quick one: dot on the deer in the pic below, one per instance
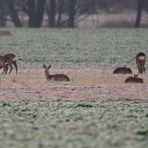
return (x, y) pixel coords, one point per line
(134, 79)
(55, 77)
(8, 60)
(140, 61)
(122, 70)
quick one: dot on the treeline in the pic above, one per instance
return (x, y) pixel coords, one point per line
(62, 13)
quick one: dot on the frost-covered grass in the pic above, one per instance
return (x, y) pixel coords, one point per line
(75, 47)
(73, 124)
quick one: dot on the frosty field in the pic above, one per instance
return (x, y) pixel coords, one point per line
(73, 124)
(96, 109)
(75, 48)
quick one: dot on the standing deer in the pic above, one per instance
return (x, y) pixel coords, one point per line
(140, 61)
(55, 77)
(8, 60)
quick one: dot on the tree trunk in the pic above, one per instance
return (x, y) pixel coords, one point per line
(13, 13)
(2, 21)
(71, 21)
(60, 11)
(40, 12)
(139, 12)
(51, 13)
(31, 12)
(35, 12)
(2, 15)
(146, 5)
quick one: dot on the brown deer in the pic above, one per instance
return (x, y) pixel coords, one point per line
(7, 61)
(122, 70)
(2, 63)
(55, 77)
(134, 79)
(140, 61)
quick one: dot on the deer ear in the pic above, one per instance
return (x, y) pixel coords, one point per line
(44, 66)
(49, 66)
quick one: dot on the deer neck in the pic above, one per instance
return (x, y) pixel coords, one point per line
(48, 76)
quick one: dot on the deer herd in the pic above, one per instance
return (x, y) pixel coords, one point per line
(9, 60)
(140, 61)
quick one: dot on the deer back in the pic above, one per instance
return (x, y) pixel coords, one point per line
(132, 79)
(10, 57)
(59, 77)
(122, 70)
(2, 61)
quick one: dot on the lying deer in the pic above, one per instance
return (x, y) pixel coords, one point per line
(8, 60)
(134, 79)
(122, 70)
(55, 77)
(140, 61)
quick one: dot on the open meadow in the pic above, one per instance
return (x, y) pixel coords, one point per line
(95, 109)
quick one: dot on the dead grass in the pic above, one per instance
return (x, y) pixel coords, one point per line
(85, 84)
(77, 76)
(121, 20)
(121, 23)
(21, 79)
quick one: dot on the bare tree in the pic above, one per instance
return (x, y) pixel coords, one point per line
(40, 12)
(13, 13)
(35, 11)
(139, 12)
(2, 14)
(71, 21)
(30, 10)
(51, 10)
(60, 11)
(146, 5)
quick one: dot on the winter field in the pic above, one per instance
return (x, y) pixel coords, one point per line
(95, 109)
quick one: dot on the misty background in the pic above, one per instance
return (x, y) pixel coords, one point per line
(73, 13)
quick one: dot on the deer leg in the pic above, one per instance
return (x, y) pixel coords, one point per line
(140, 67)
(143, 66)
(15, 65)
(5, 69)
(10, 68)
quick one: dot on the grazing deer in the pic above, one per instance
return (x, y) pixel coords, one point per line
(134, 79)
(8, 60)
(122, 70)
(140, 61)
(55, 77)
